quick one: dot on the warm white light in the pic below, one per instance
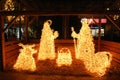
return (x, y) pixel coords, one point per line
(98, 63)
(10, 6)
(108, 9)
(115, 17)
(64, 57)
(95, 63)
(47, 47)
(25, 60)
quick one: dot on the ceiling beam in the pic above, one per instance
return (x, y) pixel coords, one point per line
(26, 4)
(51, 13)
(10, 24)
(112, 22)
(33, 19)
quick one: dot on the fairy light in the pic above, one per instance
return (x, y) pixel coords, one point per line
(25, 60)
(64, 57)
(47, 47)
(95, 63)
(10, 6)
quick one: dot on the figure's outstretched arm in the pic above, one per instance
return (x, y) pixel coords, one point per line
(74, 34)
(55, 34)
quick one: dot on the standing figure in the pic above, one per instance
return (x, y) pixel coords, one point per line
(95, 63)
(84, 44)
(47, 47)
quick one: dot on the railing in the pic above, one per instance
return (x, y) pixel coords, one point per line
(113, 48)
(12, 48)
(11, 51)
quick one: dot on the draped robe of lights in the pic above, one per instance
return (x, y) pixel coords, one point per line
(47, 47)
(95, 63)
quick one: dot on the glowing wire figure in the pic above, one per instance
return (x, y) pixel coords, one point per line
(96, 64)
(47, 47)
(84, 37)
(64, 57)
(25, 60)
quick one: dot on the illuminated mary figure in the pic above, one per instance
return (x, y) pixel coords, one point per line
(47, 47)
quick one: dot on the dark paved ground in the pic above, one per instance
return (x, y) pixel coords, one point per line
(28, 76)
(47, 70)
(63, 73)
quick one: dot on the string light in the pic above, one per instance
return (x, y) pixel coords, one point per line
(47, 47)
(95, 63)
(25, 60)
(10, 6)
(64, 57)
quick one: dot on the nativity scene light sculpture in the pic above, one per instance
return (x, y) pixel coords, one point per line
(95, 63)
(25, 60)
(47, 47)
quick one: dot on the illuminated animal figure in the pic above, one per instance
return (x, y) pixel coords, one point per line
(25, 60)
(47, 47)
(95, 63)
(98, 63)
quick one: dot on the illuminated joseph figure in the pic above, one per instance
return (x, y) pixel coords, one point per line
(95, 63)
(84, 37)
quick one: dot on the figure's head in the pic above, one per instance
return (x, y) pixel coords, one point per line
(85, 20)
(47, 23)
